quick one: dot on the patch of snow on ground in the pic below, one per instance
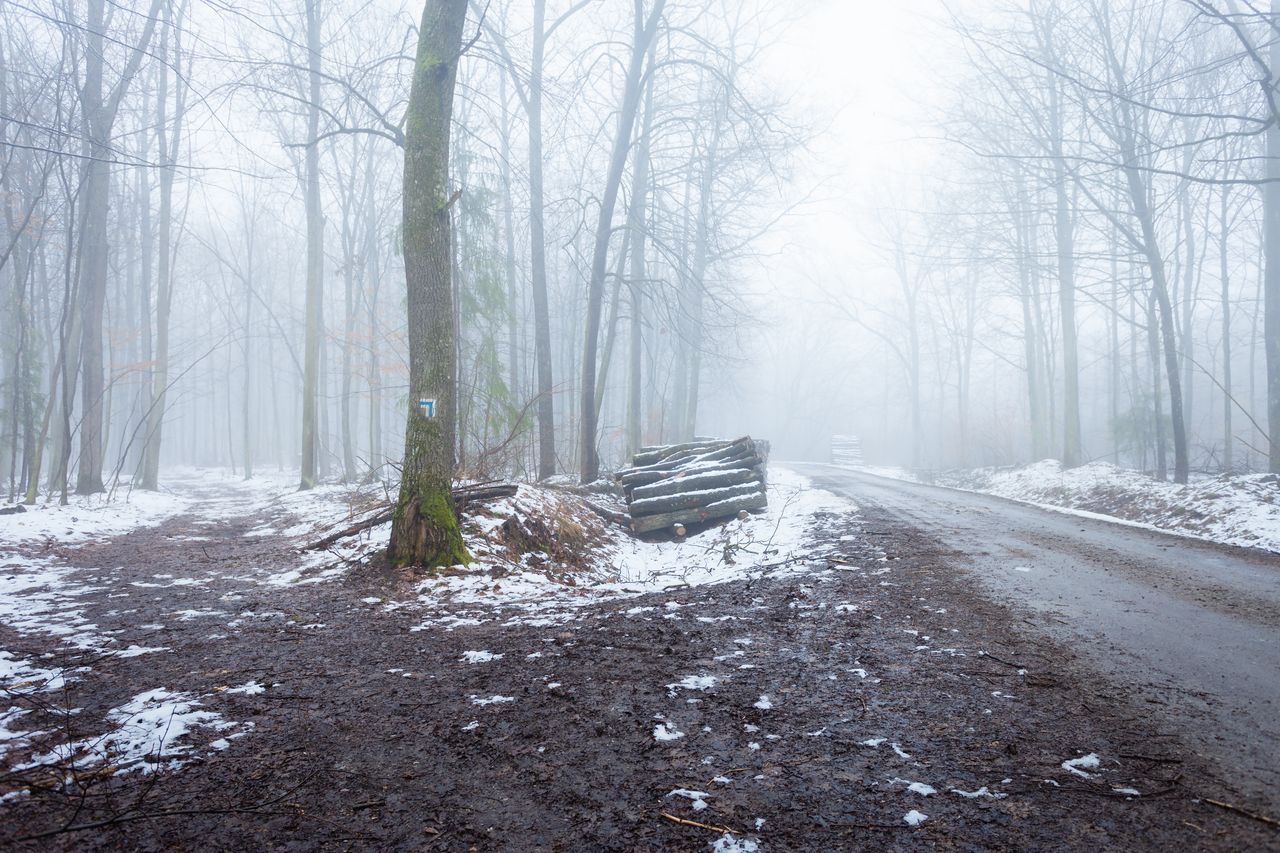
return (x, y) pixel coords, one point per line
(535, 590)
(145, 735)
(978, 794)
(666, 732)
(11, 738)
(479, 657)
(698, 799)
(1078, 766)
(250, 688)
(774, 538)
(729, 843)
(915, 787)
(914, 818)
(692, 682)
(91, 516)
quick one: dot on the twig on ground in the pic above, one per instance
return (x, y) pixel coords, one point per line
(694, 823)
(1269, 821)
(358, 527)
(1003, 661)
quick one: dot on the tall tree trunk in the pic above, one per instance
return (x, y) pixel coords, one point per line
(1164, 314)
(93, 253)
(538, 255)
(100, 106)
(168, 148)
(589, 462)
(638, 225)
(373, 281)
(1030, 330)
(1224, 281)
(315, 254)
(1113, 384)
(424, 531)
(1063, 228)
(611, 328)
(349, 253)
(1271, 216)
(509, 233)
(1157, 395)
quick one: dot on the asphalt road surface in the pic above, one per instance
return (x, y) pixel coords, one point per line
(1185, 627)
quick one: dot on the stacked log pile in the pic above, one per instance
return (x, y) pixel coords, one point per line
(846, 450)
(670, 486)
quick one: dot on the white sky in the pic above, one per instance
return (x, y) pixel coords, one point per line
(861, 73)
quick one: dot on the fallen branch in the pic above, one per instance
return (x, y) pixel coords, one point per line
(1270, 821)
(462, 495)
(684, 822)
(373, 521)
(1156, 758)
(1001, 660)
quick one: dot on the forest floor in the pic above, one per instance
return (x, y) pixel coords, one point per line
(199, 683)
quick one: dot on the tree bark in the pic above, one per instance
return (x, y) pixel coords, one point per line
(538, 255)
(100, 107)
(1064, 238)
(315, 253)
(1224, 280)
(168, 147)
(424, 531)
(1271, 307)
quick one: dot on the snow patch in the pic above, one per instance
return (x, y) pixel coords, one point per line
(698, 799)
(666, 732)
(480, 657)
(1078, 766)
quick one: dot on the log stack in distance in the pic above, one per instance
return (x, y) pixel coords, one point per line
(670, 486)
(846, 450)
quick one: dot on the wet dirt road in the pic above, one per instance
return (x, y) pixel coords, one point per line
(1190, 628)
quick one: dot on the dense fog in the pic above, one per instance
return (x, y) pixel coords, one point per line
(973, 234)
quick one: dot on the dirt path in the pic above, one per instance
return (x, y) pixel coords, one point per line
(808, 711)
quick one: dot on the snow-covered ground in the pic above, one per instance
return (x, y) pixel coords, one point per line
(209, 493)
(1233, 510)
(525, 589)
(88, 517)
(539, 557)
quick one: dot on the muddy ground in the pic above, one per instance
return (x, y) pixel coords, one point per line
(368, 735)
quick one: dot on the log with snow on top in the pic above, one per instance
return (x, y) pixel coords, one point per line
(668, 487)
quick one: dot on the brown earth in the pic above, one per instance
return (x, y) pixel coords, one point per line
(347, 754)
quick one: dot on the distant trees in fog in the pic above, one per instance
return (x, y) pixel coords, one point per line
(203, 259)
(1113, 207)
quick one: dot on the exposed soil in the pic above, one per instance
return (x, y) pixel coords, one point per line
(362, 738)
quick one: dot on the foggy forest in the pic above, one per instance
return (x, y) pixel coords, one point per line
(639, 424)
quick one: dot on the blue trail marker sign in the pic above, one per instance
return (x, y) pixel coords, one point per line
(428, 407)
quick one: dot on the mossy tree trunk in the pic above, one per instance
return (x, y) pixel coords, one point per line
(424, 531)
